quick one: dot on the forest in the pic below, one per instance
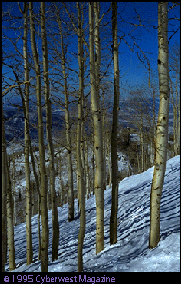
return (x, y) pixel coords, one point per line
(90, 96)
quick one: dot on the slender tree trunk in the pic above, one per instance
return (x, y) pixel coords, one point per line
(87, 181)
(30, 147)
(55, 226)
(109, 161)
(4, 187)
(80, 172)
(97, 73)
(138, 161)
(151, 152)
(67, 122)
(152, 155)
(33, 166)
(162, 126)
(39, 214)
(14, 192)
(44, 209)
(175, 117)
(98, 142)
(104, 145)
(178, 129)
(142, 144)
(93, 163)
(10, 224)
(59, 166)
(114, 206)
(29, 252)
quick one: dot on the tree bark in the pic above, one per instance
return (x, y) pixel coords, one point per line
(4, 186)
(44, 209)
(142, 144)
(29, 252)
(67, 122)
(87, 181)
(175, 117)
(108, 152)
(98, 142)
(178, 129)
(80, 172)
(114, 206)
(152, 142)
(55, 226)
(162, 126)
(33, 166)
(10, 224)
(14, 191)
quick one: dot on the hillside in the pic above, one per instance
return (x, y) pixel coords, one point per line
(131, 252)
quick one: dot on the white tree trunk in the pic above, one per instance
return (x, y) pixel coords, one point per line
(67, 123)
(44, 185)
(98, 142)
(87, 181)
(4, 186)
(162, 126)
(55, 226)
(14, 192)
(10, 224)
(80, 145)
(178, 129)
(29, 252)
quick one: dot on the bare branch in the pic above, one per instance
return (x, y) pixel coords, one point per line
(175, 4)
(105, 14)
(76, 30)
(69, 17)
(173, 33)
(13, 86)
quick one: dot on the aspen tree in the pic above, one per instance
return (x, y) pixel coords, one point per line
(178, 129)
(44, 209)
(33, 166)
(152, 154)
(59, 169)
(175, 117)
(162, 126)
(142, 143)
(55, 226)
(104, 140)
(4, 186)
(93, 163)
(87, 181)
(67, 122)
(97, 45)
(98, 139)
(114, 206)
(14, 191)
(97, 75)
(31, 149)
(10, 223)
(80, 173)
(29, 252)
(108, 153)
(7, 207)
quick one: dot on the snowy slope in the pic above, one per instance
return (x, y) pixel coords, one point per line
(131, 252)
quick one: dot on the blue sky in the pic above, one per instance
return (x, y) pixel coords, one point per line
(132, 71)
(146, 38)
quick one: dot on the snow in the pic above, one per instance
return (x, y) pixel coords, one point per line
(131, 253)
(123, 163)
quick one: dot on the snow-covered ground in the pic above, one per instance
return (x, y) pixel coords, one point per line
(131, 253)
